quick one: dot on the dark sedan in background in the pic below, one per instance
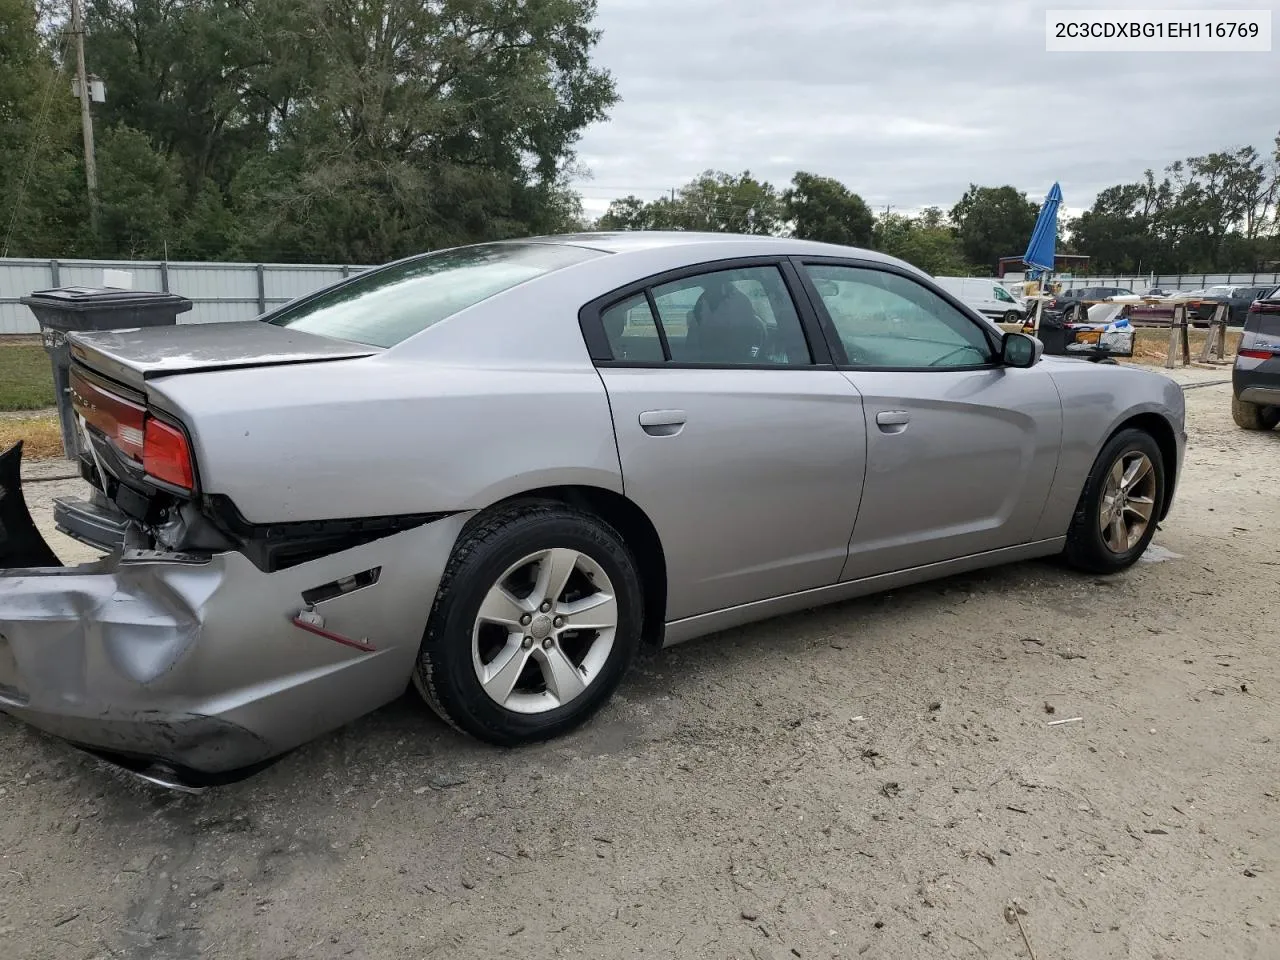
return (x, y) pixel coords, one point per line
(1255, 379)
(1237, 299)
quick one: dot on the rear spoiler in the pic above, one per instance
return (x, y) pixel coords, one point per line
(21, 544)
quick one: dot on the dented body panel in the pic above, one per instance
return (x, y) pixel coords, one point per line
(197, 662)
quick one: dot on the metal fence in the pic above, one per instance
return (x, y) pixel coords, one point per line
(1177, 281)
(218, 291)
(242, 291)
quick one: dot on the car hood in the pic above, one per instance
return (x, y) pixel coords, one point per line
(134, 356)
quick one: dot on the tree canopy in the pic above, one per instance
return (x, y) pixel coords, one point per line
(358, 131)
(338, 130)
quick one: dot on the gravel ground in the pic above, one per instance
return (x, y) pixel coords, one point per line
(874, 779)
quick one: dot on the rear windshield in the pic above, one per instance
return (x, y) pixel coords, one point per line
(1267, 324)
(392, 303)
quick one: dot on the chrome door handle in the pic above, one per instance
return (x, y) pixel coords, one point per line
(892, 421)
(662, 423)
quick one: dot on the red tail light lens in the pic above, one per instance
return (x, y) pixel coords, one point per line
(120, 420)
(166, 455)
(1256, 354)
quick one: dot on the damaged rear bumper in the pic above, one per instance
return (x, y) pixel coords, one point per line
(196, 661)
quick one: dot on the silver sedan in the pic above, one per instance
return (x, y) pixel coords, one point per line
(494, 472)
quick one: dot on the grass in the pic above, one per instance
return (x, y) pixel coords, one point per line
(41, 436)
(26, 382)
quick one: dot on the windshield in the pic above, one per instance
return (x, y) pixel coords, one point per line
(392, 303)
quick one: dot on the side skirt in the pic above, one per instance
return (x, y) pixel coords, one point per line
(688, 628)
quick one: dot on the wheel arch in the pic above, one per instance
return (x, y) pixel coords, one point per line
(1160, 430)
(637, 531)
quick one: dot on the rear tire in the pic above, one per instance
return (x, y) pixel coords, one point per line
(1254, 416)
(1108, 532)
(557, 676)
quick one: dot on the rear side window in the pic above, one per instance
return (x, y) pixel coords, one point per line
(1267, 324)
(392, 303)
(729, 318)
(631, 331)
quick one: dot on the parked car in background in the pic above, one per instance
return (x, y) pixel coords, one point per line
(1255, 378)
(1073, 305)
(493, 472)
(989, 297)
(1238, 299)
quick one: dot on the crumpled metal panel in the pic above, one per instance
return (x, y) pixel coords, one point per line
(199, 662)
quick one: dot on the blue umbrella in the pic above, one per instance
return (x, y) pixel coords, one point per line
(1039, 253)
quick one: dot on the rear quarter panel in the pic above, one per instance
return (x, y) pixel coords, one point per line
(383, 437)
(1097, 399)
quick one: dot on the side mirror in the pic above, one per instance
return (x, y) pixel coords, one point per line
(827, 288)
(1020, 350)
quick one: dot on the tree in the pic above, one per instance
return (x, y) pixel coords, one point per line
(138, 193)
(627, 213)
(427, 127)
(993, 222)
(715, 202)
(39, 137)
(824, 209)
(926, 241)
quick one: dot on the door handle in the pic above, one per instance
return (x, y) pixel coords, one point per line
(892, 421)
(662, 423)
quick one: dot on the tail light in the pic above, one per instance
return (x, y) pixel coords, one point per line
(166, 455)
(160, 449)
(1256, 354)
(121, 421)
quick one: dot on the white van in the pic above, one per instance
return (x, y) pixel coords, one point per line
(985, 295)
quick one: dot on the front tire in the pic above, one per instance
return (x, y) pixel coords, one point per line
(1012, 316)
(1254, 416)
(537, 618)
(1120, 505)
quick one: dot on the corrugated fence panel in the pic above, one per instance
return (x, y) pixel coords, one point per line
(1177, 281)
(17, 279)
(88, 273)
(219, 292)
(284, 282)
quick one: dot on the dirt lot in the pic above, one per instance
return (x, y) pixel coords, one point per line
(876, 779)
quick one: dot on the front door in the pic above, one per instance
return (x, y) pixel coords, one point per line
(746, 455)
(961, 451)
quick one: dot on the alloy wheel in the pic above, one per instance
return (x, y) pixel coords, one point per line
(544, 631)
(1128, 501)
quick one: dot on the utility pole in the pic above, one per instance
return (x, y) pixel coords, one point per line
(86, 119)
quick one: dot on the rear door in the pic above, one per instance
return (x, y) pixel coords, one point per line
(736, 434)
(961, 451)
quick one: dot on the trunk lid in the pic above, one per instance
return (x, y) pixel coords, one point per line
(132, 357)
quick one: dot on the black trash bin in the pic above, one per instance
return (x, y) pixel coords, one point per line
(77, 309)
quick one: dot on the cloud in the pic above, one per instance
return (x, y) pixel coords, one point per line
(906, 102)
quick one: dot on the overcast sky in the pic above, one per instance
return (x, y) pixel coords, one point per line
(906, 101)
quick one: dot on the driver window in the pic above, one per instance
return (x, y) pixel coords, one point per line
(887, 320)
(741, 317)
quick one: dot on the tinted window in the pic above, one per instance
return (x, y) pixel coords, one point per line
(390, 304)
(886, 320)
(1004, 295)
(631, 330)
(731, 318)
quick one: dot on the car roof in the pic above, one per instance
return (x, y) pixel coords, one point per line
(731, 244)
